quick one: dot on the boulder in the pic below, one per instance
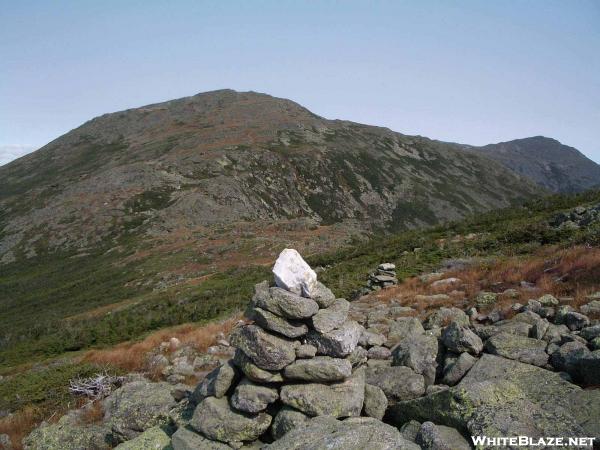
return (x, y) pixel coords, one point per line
(333, 317)
(273, 322)
(397, 382)
(589, 368)
(576, 321)
(252, 398)
(253, 372)
(402, 328)
(293, 274)
(566, 358)
(216, 420)
(216, 383)
(285, 304)
(267, 351)
(410, 429)
(306, 351)
(137, 406)
(379, 353)
(527, 350)
(186, 439)
(358, 357)
(444, 316)
(322, 295)
(507, 326)
(485, 298)
(375, 402)
(440, 437)
(66, 435)
(590, 333)
(152, 439)
(459, 339)
(319, 369)
(370, 338)
(548, 300)
(336, 343)
(457, 369)
(351, 434)
(341, 399)
(419, 353)
(286, 420)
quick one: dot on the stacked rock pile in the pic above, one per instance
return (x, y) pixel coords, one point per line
(298, 359)
(384, 276)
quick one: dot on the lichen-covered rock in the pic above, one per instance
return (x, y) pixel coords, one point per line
(402, 328)
(548, 300)
(328, 319)
(186, 439)
(567, 357)
(322, 295)
(319, 369)
(336, 343)
(152, 439)
(285, 304)
(459, 339)
(293, 274)
(137, 406)
(267, 351)
(357, 433)
(397, 382)
(286, 420)
(273, 322)
(341, 399)
(379, 353)
(253, 398)
(484, 298)
(370, 338)
(375, 402)
(456, 370)
(216, 383)
(511, 346)
(65, 435)
(440, 437)
(216, 420)
(253, 372)
(576, 321)
(419, 353)
(410, 430)
(306, 351)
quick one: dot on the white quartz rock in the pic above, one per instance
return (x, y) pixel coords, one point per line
(293, 274)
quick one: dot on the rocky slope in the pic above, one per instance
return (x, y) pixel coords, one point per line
(224, 157)
(316, 372)
(546, 161)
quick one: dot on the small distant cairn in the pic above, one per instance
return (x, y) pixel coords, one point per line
(299, 359)
(384, 276)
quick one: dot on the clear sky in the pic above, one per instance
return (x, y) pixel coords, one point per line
(473, 72)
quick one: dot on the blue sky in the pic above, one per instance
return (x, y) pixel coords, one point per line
(473, 72)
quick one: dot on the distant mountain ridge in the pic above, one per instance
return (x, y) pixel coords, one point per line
(546, 161)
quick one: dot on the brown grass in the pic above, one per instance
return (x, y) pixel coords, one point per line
(20, 424)
(131, 356)
(93, 413)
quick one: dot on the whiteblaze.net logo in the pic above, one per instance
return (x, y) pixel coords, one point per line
(526, 441)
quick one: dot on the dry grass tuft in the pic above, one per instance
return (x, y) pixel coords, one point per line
(131, 356)
(20, 424)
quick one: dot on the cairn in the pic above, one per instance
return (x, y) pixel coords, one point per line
(384, 276)
(298, 358)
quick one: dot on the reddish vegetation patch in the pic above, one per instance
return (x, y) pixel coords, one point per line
(572, 272)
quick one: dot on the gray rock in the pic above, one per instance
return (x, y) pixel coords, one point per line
(440, 437)
(5, 442)
(590, 333)
(589, 368)
(379, 353)
(484, 298)
(402, 328)
(460, 339)
(322, 295)
(319, 369)
(267, 351)
(181, 391)
(216, 383)
(285, 304)
(595, 343)
(507, 326)
(539, 329)
(186, 439)
(153, 438)
(375, 402)
(253, 372)
(458, 369)
(567, 357)
(270, 321)
(341, 399)
(554, 333)
(306, 351)
(66, 435)
(397, 382)
(137, 406)
(336, 343)
(216, 420)
(591, 309)
(410, 430)
(576, 321)
(358, 433)
(419, 353)
(370, 338)
(333, 317)
(548, 300)
(286, 420)
(358, 357)
(443, 316)
(252, 398)
(527, 350)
